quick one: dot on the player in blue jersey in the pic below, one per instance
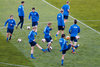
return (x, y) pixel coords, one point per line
(73, 31)
(61, 24)
(47, 35)
(34, 16)
(66, 9)
(11, 23)
(32, 42)
(21, 15)
(64, 47)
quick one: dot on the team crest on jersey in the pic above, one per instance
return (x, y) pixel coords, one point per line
(59, 16)
(75, 27)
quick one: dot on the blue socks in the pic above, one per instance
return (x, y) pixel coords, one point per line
(62, 62)
(76, 46)
(56, 35)
(32, 56)
(73, 49)
(7, 39)
(43, 50)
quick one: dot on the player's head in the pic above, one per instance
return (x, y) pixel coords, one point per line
(67, 2)
(61, 11)
(11, 16)
(75, 21)
(63, 36)
(33, 9)
(34, 28)
(22, 2)
(49, 24)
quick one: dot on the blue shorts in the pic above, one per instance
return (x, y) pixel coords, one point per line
(73, 39)
(34, 24)
(10, 30)
(61, 27)
(48, 39)
(33, 43)
(64, 51)
(65, 17)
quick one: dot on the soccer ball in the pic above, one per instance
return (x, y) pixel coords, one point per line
(77, 37)
(19, 40)
(43, 40)
(50, 47)
(67, 37)
(51, 41)
(28, 27)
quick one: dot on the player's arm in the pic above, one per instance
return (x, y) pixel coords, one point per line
(79, 30)
(22, 10)
(70, 30)
(63, 44)
(68, 9)
(62, 7)
(29, 16)
(5, 23)
(29, 36)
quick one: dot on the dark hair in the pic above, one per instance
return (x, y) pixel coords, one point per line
(61, 11)
(49, 23)
(67, 2)
(63, 35)
(22, 2)
(75, 21)
(11, 16)
(33, 8)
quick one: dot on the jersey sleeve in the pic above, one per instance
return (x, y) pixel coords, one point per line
(29, 36)
(78, 29)
(29, 16)
(63, 44)
(6, 23)
(70, 30)
(63, 7)
(38, 16)
(14, 23)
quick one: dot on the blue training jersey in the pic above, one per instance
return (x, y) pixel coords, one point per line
(21, 10)
(66, 7)
(47, 32)
(34, 16)
(60, 19)
(63, 44)
(11, 23)
(31, 36)
(74, 30)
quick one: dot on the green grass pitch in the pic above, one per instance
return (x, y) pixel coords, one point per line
(14, 53)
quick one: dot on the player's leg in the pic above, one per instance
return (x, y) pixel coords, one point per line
(65, 19)
(74, 45)
(7, 36)
(62, 59)
(19, 22)
(59, 30)
(11, 32)
(63, 28)
(22, 21)
(8, 32)
(32, 49)
(57, 33)
(40, 47)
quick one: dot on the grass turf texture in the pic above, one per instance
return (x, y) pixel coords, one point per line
(83, 10)
(87, 55)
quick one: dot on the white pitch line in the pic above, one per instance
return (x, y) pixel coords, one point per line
(72, 17)
(13, 64)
